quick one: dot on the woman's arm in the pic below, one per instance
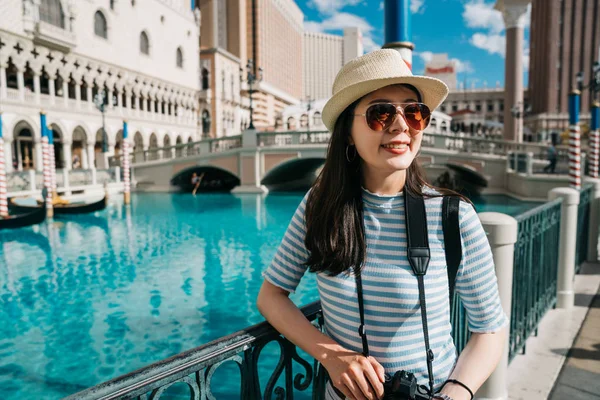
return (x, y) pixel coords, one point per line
(353, 374)
(476, 363)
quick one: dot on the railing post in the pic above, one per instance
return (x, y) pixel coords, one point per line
(594, 232)
(94, 176)
(565, 296)
(529, 163)
(66, 183)
(249, 138)
(32, 184)
(501, 230)
(117, 175)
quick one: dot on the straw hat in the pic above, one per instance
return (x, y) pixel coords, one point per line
(373, 71)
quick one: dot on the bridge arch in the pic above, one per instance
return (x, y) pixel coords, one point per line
(293, 174)
(214, 179)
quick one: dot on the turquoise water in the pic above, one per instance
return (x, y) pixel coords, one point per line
(88, 298)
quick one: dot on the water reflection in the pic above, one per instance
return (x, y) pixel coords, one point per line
(90, 297)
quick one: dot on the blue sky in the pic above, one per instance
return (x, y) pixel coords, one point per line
(470, 31)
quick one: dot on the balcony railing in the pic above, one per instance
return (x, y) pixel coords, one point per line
(193, 370)
(583, 225)
(535, 271)
(54, 35)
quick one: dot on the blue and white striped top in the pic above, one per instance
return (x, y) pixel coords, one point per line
(391, 295)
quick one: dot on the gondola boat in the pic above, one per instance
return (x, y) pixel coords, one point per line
(60, 209)
(31, 216)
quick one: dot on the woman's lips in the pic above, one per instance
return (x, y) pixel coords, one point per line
(396, 149)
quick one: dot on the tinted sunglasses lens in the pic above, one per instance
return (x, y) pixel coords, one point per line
(380, 116)
(417, 116)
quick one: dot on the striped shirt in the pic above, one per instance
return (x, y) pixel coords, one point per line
(390, 289)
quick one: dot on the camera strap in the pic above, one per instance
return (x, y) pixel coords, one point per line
(418, 258)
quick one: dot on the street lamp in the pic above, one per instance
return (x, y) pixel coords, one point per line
(251, 78)
(518, 111)
(100, 102)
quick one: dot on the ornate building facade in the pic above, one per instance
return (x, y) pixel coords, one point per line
(60, 55)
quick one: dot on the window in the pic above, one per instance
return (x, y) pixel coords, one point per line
(51, 11)
(205, 82)
(501, 106)
(478, 106)
(100, 28)
(144, 43)
(317, 118)
(112, 5)
(490, 107)
(454, 107)
(179, 58)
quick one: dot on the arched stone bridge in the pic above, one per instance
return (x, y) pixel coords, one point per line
(255, 162)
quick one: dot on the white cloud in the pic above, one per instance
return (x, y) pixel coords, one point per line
(463, 66)
(426, 56)
(478, 14)
(331, 6)
(416, 6)
(369, 44)
(491, 42)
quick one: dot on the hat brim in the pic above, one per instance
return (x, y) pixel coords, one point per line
(433, 92)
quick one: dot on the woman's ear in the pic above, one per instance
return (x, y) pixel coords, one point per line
(350, 141)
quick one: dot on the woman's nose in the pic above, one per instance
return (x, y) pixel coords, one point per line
(399, 124)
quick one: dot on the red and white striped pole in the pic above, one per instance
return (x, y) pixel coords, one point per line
(574, 141)
(125, 165)
(594, 145)
(46, 167)
(3, 190)
(52, 161)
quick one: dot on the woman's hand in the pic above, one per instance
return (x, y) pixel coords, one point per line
(356, 376)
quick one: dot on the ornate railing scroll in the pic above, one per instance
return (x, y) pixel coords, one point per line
(196, 368)
(535, 271)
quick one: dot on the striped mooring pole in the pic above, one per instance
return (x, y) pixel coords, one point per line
(3, 189)
(594, 150)
(574, 141)
(125, 164)
(46, 166)
(50, 133)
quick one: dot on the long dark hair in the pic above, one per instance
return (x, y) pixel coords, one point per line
(335, 234)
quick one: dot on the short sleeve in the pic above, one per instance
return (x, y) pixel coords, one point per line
(476, 281)
(288, 265)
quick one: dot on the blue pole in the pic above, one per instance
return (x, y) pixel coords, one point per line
(574, 98)
(397, 29)
(595, 111)
(594, 144)
(1, 125)
(43, 124)
(125, 130)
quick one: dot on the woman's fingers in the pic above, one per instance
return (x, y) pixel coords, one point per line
(373, 380)
(379, 370)
(351, 384)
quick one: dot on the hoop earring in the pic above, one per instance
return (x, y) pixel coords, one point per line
(348, 155)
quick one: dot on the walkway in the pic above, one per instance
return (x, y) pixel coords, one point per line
(566, 338)
(580, 376)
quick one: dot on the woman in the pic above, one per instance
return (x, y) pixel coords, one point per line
(354, 216)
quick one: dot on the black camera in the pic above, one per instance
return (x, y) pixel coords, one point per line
(403, 386)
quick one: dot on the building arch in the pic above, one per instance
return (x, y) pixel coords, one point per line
(179, 57)
(100, 25)
(24, 143)
(144, 43)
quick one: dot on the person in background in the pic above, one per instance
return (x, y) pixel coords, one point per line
(552, 158)
(196, 180)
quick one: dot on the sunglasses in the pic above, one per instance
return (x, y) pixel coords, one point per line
(380, 116)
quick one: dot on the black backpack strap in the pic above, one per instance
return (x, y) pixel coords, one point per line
(418, 257)
(452, 241)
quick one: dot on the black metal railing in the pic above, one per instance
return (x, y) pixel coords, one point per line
(535, 271)
(191, 372)
(583, 226)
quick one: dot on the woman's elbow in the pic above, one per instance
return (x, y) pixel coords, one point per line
(267, 295)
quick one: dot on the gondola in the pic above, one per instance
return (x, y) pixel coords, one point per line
(60, 209)
(31, 216)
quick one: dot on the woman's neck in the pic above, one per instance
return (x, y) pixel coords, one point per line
(384, 183)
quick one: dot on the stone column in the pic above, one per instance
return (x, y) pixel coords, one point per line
(110, 99)
(84, 157)
(128, 98)
(514, 12)
(39, 161)
(91, 157)
(65, 89)
(565, 295)
(52, 88)
(36, 86)
(8, 146)
(90, 100)
(502, 234)
(21, 83)
(67, 156)
(78, 93)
